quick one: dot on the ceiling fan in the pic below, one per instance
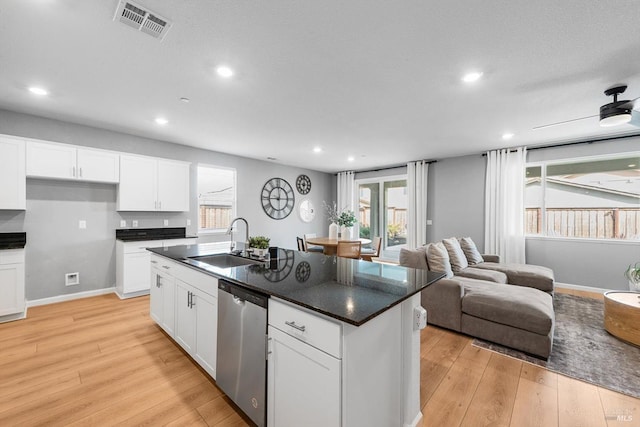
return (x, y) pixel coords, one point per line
(612, 114)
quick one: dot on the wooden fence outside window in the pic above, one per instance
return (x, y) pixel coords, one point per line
(592, 223)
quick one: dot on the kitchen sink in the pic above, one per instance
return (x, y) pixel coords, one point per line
(224, 260)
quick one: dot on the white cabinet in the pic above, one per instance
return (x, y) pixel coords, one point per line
(12, 173)
(303, 384)
(196, 324)
(163, 293)
(151, 184)
(194, 319)
(62, 161)
(132, 264)
(12, 281)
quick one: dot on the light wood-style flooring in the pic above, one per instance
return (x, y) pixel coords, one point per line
(102, 361)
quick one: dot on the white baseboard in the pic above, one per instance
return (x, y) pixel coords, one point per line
(132, 294)
(70, 297)
(583, 288)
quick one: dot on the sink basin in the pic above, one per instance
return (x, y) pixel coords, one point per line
(224, 260)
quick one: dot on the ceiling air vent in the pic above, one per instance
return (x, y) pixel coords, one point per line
(142, 19)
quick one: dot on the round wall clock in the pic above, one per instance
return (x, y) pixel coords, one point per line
(277, 198)
(306, 210)
(303, 184)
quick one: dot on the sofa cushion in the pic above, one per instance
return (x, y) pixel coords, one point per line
(470, 251)
(524, 308)
(483, 274)
(457, 258)
(438, 259)
(414, 258)
(532, 276)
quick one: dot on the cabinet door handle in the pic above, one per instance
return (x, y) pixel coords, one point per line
(160, 204)
(301, 328)
(188, 299)
(80, 172)
(166, 267)
(73, 171)
(192, 300)
(154, 262)
(158, 283)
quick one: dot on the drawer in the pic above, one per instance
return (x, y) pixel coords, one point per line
(322, 333)
(162, 263)
(12, 256)
(141, 246)
(178, 242)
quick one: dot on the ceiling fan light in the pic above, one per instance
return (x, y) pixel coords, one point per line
(613, 114)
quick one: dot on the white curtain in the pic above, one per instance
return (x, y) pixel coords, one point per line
(504, 204)
(417, 178)
(346, 195)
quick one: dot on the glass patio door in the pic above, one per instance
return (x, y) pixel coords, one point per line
(382, 211)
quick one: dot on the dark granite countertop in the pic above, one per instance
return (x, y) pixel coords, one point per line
(140, 234)
(352, 291)
(16, 240)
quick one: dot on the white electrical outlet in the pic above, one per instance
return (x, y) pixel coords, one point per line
(82, 224)
(188, 222)
(419, 318)
(429, 222)
(72, 279)
(134, 223)
(123, 223)
(166, 222)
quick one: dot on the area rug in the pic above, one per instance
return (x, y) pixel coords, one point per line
(582, 349)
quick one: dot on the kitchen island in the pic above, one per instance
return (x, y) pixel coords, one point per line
(356, 359)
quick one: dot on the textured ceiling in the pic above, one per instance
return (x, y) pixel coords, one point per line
(377, 80)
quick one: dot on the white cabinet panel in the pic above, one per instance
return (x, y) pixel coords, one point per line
(173, 186)
(185, 317)
(206, 331)
(47, 160)
(138, 178)
(12, 282)
(12, 173)
(162, 305)
(303, 384)
(98, 166)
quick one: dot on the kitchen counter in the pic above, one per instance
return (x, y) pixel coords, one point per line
(143, 234)
(13, 240)
(352, 291)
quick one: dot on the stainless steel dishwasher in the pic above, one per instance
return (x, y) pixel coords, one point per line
(241, 366)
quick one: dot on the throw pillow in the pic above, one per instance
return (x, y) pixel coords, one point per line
(457, 258)
(414, 258)
(438, 259)
(471, 251)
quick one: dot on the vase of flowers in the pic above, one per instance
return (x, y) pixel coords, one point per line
(633, 274)
(332, 216)
(341, 221)
(346, 220)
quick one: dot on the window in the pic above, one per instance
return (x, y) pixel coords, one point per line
(593, 198)
(216, 198)
(383, 206)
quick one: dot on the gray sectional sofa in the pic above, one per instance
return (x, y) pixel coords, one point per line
(509, 304)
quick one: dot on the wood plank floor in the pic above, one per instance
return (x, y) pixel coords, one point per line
(102, 361)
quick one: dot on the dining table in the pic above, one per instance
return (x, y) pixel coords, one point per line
(330, 246)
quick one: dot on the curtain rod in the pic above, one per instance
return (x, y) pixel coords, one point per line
(394, 167)
(588, 141)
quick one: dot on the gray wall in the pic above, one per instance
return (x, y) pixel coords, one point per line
(57, 246)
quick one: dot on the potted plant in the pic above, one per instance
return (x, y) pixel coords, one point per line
(633, 274)
(346, 220)
(260, 243)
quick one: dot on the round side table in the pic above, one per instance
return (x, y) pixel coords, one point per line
(622, 315)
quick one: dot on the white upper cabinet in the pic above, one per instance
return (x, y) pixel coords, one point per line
(151, 184)
(12, 173)
(61, 161)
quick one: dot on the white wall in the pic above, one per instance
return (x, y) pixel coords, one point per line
(56, 246)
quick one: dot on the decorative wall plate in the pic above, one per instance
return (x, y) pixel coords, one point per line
(306, 210)
(277, 198)
(303, 184)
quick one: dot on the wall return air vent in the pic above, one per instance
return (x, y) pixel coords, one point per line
(142, 19)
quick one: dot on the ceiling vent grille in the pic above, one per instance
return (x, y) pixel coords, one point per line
(136, 16)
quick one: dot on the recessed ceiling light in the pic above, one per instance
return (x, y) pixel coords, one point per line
(471, 77)
(38, 91)
(224, 71)
(161, 121)
(271, 158)
(632, 165)
(317, 149)
(507, 135)
(351, 158)
(185, 100)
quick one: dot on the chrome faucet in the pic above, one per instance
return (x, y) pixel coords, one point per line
(246, 233)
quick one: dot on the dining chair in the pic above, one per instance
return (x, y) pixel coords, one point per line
(374, 251)
(311, 248)
(349, 249)
(300, 244)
